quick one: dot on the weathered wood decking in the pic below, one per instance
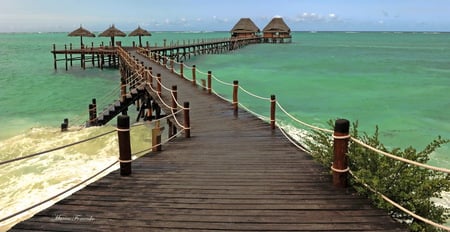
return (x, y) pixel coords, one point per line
(233, 174)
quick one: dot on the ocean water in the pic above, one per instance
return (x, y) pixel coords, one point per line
(398, 81)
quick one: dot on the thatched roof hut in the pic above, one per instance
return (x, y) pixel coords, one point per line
(245, 28)
(277, 29)
(140, 32)
(277, 24)
(81, 32)
(112, 32)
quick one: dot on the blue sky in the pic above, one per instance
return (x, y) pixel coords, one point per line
(212, 15)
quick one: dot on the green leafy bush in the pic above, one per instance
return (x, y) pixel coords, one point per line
(412, 187)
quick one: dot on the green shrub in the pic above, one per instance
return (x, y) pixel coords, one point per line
(412, 187)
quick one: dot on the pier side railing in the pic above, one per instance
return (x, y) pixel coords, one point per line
(340, 135)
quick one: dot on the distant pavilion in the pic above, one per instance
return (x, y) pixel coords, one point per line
(277, 31)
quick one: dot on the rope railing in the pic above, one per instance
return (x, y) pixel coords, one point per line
(311, 126)
(437, 225)
(56, 148)
(316, 128)
(59, 194)
(78, 185)
(438, 169)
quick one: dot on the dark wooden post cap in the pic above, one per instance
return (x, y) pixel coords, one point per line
(342, 126)
(123, 122)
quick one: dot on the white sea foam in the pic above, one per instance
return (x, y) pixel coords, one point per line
(47, 175)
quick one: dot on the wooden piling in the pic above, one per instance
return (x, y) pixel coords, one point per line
(91, 115)
(94, 111)
(209, 82)
(194, 81)
(187, 123)
(340, 163)
(65, 55)
(123, 133)
(235, 96)
(272, 111)
(54, 57)
(65, 125)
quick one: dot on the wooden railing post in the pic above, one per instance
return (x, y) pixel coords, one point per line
(187, 123)
(181, 69)
(209, 82)
(158, 84)
(340, 163)
(194, 81)
(171, 65)
(174, 98)
(272, 111)
(235, 96)
(123, 133)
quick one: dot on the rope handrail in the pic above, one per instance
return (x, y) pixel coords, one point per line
(57, 148)
(59, 194)
(301, 122)
(321, 129)
(220, 81)
(178, 123)
(220, 96)
(254, 95)
(401, 207)
(415, 163)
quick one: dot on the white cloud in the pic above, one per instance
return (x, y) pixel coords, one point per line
(314, 17)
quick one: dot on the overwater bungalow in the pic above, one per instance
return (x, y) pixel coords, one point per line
(245, 28)
(277, 31)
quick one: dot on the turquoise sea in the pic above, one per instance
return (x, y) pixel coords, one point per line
(398, 81)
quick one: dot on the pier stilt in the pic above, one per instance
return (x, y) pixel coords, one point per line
(65, 125)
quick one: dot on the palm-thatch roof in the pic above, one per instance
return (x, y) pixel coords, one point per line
(245, 25)
(140, 32)
(277, 24)
(112, 32)
(81, 32)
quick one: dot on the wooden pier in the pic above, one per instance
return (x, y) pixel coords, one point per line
(233, 172)
(106, 56)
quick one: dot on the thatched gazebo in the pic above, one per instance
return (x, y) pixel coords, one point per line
(112, 32)
(245, 28)
(81, 32)
(277, 31)
(140, 32)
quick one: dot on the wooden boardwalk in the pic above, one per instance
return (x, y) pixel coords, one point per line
(233, 174)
